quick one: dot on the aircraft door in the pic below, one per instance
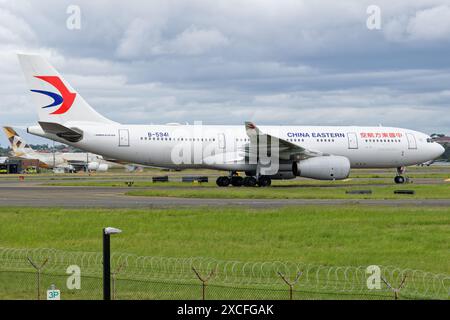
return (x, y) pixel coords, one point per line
(411, 141)
(221, 140)
(352, 140)
(124, 138)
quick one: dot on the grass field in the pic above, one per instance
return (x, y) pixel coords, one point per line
(212, 183)
(438, 191)
(406, 237)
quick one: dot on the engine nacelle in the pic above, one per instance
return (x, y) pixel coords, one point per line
(102, 167)
(93, 166)
(322, 168)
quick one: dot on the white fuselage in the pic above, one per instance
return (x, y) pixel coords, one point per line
(221, 147)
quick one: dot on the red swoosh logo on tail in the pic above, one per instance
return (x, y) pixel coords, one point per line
(68, 97)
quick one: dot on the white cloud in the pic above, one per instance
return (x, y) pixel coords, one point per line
(197, 41)
(14, 30)
(430, 24)
(141, 38)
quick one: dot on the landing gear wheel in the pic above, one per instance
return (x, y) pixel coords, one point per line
(223, 181)
(264, 181)
(249, 181)
(237, 181)
(399, 179)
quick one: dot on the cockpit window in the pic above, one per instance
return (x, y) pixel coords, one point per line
(430, 140)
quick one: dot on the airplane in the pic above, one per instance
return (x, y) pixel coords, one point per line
(263, 153)
(72, 161)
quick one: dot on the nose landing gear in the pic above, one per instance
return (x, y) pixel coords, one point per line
(399, 179)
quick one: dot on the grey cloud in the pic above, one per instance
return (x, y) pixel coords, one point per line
(290, 62)
(141, 39)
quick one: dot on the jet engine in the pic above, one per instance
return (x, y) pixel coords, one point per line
(284, 171)
(95, 166)
(322, 168)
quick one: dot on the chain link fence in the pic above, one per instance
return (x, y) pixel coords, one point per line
(28, 273)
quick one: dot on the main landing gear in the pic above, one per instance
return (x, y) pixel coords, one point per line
(238, 181)
(399, 179)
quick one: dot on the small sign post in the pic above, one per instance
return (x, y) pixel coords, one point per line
(53, 293)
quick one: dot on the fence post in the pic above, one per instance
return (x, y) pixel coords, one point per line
(38, 269)
(395, 290)
(113, 280)
(290, 283)
(203, 280)
(107, 232)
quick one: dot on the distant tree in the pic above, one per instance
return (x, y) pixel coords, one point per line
(433, 135)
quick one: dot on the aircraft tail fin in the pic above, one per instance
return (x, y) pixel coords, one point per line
(18, 144)
(55, 99)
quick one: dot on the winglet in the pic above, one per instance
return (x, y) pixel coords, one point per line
(251, 129)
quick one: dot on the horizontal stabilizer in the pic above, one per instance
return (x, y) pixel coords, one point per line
(69, 134)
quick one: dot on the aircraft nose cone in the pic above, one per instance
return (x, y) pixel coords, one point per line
(439, 149)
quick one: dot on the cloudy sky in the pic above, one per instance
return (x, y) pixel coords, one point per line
(224, 62)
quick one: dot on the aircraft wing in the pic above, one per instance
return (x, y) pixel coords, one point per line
(116, 161)
(286, 149)
(76, 162)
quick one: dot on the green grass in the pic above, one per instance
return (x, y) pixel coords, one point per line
(438, 191)
(174, 183)
(410, 175)
(406, 237)
(122, 184)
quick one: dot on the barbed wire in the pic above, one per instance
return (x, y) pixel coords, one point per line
(345, 279)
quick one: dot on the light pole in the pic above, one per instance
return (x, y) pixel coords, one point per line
(54, 159)
(107, 261)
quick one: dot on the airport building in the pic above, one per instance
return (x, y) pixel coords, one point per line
(18, 166)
